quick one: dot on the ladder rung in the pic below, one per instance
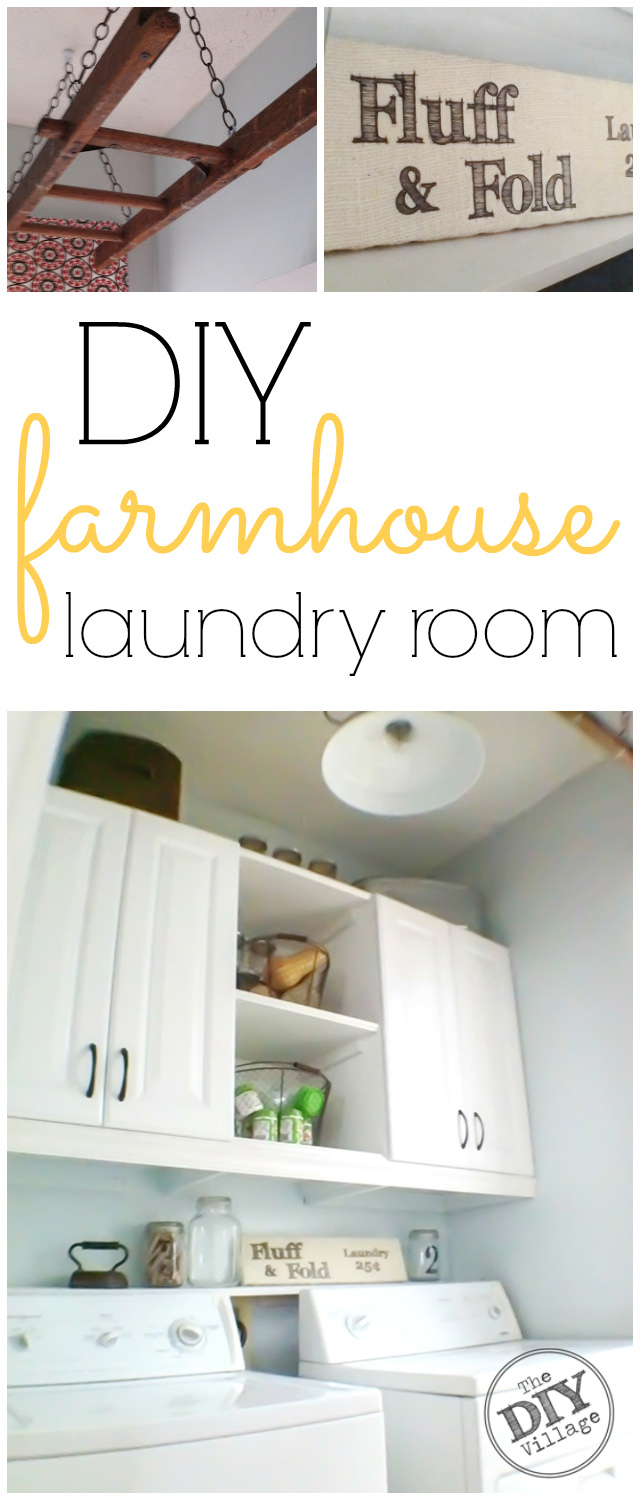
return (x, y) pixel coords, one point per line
(107, 195)
(129, 140)
(67, 231)
(138, 42)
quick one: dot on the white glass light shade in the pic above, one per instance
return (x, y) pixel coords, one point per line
(401, 764)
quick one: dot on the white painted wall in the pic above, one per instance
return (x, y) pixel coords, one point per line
(134, 172)
(265, 223)
(203, 812)
(200, 812)
(557, 888)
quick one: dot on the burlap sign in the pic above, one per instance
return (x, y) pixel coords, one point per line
(424, 146)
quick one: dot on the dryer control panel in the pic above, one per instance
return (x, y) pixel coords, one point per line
(341, 1325)
(58, 1337)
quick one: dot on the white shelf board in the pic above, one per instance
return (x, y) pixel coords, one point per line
(271, 1030)
(263, 1291)
(283, 1290)
(257, 1159)
(522, 260)
(276, 897)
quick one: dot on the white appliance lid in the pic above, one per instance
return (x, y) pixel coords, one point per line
(49, 1421)
(469, 1372)
(345, 1325)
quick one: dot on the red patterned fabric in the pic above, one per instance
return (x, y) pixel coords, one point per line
(38, 264)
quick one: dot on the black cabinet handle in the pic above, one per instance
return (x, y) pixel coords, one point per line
(478, 1121)
(125, 1073)
(462, 1117)
(94, 1063)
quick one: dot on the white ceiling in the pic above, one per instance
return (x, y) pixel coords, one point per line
(37, 37)
(268, 765)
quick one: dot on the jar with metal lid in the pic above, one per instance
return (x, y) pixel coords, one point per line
(215, 1240)
(165, 1254)
(250, 841)
(324, 867)
(288, 856)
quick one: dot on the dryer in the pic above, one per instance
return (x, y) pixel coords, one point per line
(433, 1351)
(146, 1391)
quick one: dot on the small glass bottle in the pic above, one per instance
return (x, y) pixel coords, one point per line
(214, 1244)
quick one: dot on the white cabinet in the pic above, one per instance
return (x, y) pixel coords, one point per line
(122, 1009)
(455, 1081)
(420, 1038)
(171, 1035)
(123, 985)
(493, 1086)
(61, 975)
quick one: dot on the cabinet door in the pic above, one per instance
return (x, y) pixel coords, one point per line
(171, 1039)
(421, 1051)
(62, 971)
(493, 1076)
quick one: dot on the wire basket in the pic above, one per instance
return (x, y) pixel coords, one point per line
(280, 1102)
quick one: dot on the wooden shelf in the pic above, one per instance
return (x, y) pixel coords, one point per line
(276, 897)
(270, 1030)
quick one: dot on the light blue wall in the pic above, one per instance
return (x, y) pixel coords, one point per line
(557, 887)
(54, 1203)
(265, 223)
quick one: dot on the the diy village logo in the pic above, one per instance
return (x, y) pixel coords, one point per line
(549, 1412)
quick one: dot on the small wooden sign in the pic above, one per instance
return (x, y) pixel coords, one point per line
(273, 1260)
(429, 146)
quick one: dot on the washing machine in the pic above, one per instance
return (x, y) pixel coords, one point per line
(146, 1391)
(437, 1352)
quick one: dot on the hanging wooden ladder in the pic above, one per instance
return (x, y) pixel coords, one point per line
(137, 45)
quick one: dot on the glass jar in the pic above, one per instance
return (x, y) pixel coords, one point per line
(423, 1255)
(288, 856)
(165, 1254)
(214, 1244)
(252, 970)
(324, 867)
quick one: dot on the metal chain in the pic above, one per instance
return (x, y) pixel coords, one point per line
(70, 84)
(216, 85)
(90, 57)
(88, 61)
(115, 185)
(63, 88)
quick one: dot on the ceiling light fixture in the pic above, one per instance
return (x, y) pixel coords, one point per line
(397, 765)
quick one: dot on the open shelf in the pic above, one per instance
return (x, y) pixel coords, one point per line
(175, 1157)
(276, 897)
(282, 1290)
(270, 1030)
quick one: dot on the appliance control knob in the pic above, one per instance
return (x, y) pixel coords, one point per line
(358, 1324)
(186, 1335)
(495, 1312)
(105, 1340)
